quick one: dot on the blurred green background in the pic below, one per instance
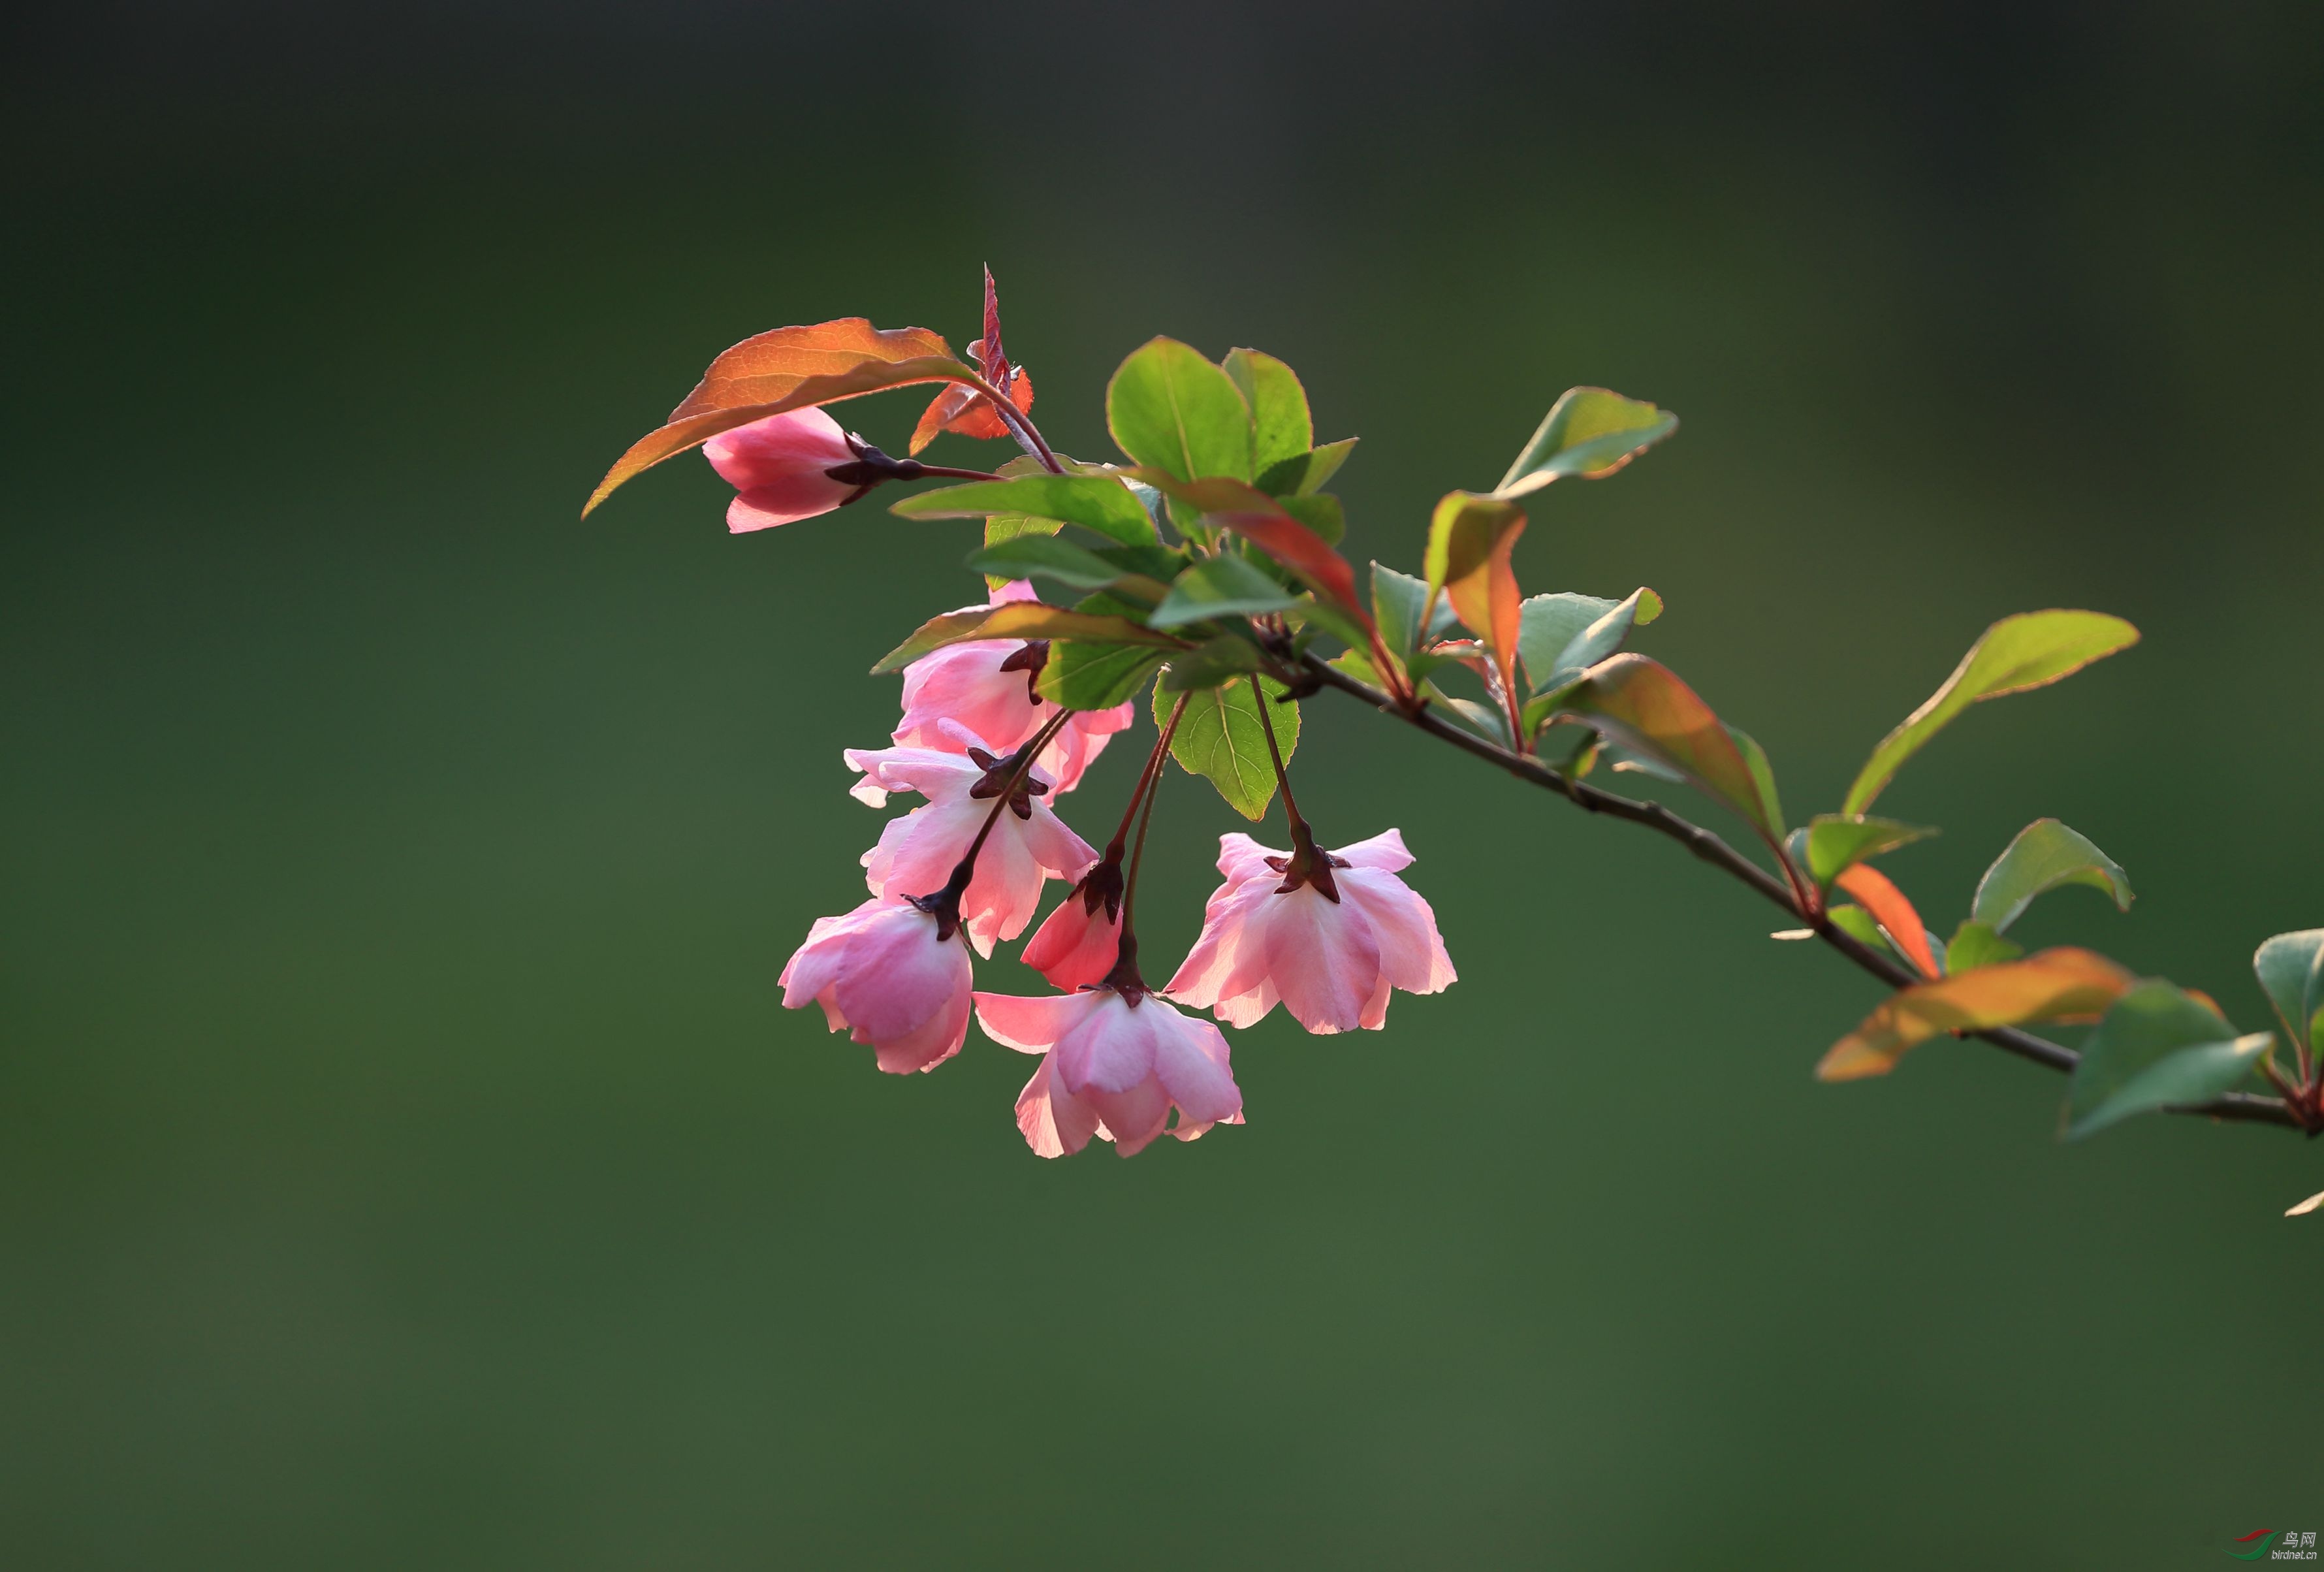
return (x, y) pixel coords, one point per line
(404, 1159)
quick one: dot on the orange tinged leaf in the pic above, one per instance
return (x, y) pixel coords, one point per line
(1470, 540)
(1642, 706)
(789, 368)
(2052, 984)
(1878, 894)
(965, 411)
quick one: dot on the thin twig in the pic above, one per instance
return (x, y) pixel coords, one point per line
(2240, 1107)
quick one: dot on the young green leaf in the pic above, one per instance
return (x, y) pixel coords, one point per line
(1858, 925)
(1834, 842)
(1260, 519)
(1210, 663)
(2044, 855)
(1220, 587)
(1220, 738)
(1763, 779)
(1342, 626)
(1003, 528)
(1095, 501)
(1645, 710)
(1172, 411)
(1280, 426)
(1081, 675)
(1020, 619)
(1589, 433)
(2051, 985)
(2158, 1047)
(2030, 649)
(2290, 971)
(1046, 557)
(1321, 513)
(1398, 603)
(1974, 944)
(789, 368)
(1305, 474)
(1560, 635)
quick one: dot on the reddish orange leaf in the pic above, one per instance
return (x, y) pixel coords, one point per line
(789, 368)
(2053, 985)
(1878, 894)
(965, 411)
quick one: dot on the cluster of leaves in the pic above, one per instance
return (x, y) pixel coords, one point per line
(1209, 567)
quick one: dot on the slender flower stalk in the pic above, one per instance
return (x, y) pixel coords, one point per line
(945, 904)
(1125, 974)
(1307, 863)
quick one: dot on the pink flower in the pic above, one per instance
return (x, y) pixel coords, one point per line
(881, 973)
(1112, 1068)
(987, 686)
(779, 469)
(1029, 845)
(1078, 944)
(1331, 963)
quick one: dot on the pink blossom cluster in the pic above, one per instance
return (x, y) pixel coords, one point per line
(1327, 935)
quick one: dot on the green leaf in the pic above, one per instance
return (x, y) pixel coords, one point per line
(1280, 426)
(1227, 585)
(2290, 971)
(1832, 842)
(2046, 856)
(1095, 501)
(1763, 779)
(1211, 663)
(2157, 1048)
(1046, 557)
(1645, 709)
(1589, 433)
(1302, 474)
(1562, 633)
(1858, 925)
(2015, 655)
(1399, 602)
(1220, 738)
(1321, 514)
(1080, 676)
(1357, 664)
(1323, 615)
(1001, 528)
(1021, 619)
(1975, 945)
(1173, 411)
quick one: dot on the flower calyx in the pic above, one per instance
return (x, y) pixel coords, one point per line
(1007, 774)
(1308, 863)
(1030, 658)
(871, 467)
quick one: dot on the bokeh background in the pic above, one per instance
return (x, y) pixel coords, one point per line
(404, 1159)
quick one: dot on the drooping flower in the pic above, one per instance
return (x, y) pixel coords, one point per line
(781, 468)
(986, 685)
(884, 974)
(1113, 1066)
(1029, 844)
(1077, 945)
(1330, 962)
